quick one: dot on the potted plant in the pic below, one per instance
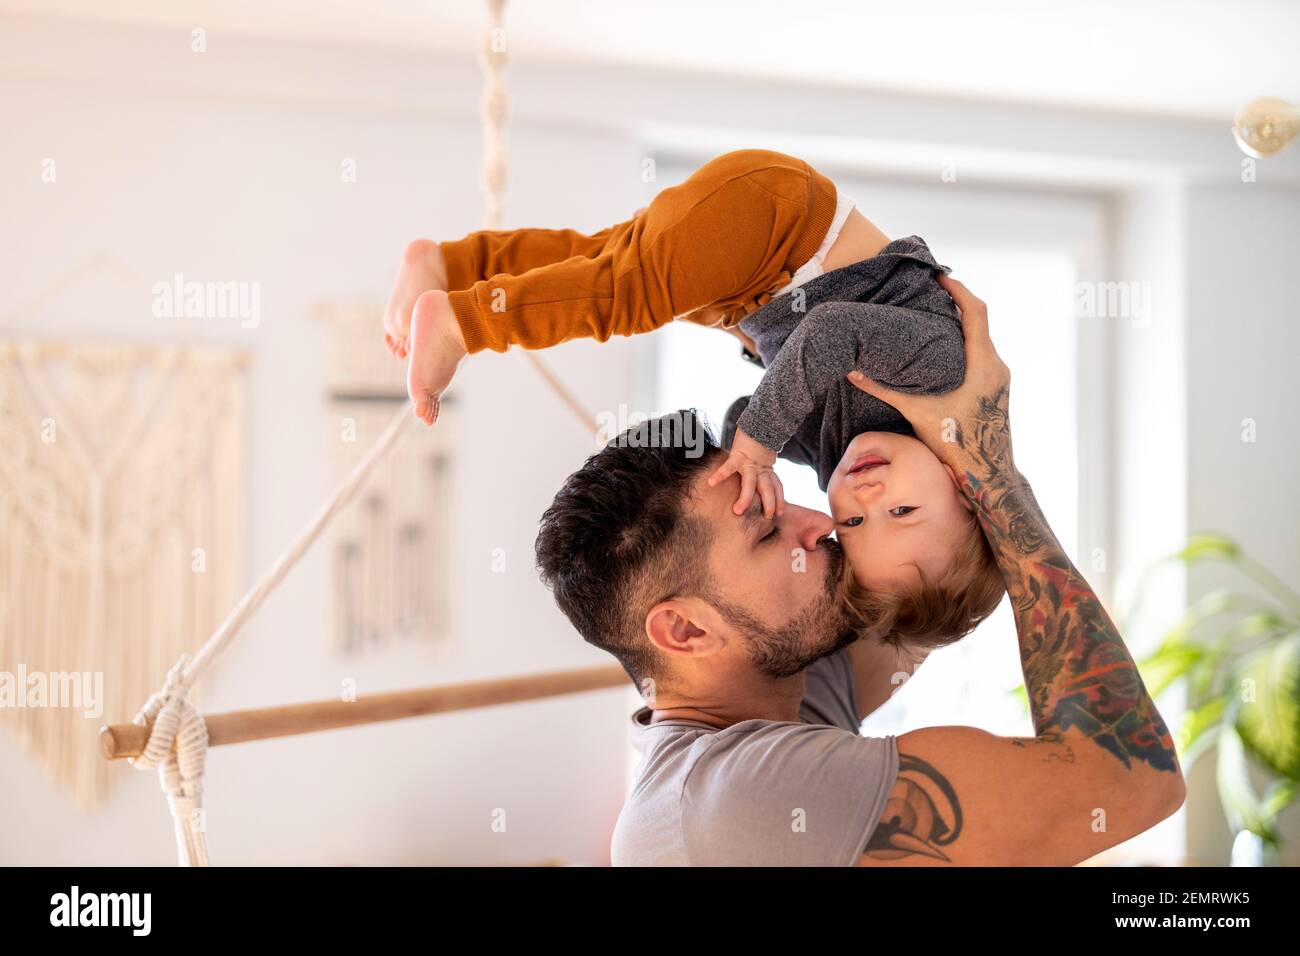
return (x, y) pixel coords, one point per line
(1238, 654)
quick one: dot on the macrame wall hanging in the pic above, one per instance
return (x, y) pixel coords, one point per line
(121, 511)
(389, 547)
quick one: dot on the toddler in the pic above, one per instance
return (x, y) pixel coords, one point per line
(764, 246)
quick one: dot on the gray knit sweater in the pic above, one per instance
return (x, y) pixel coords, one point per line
(887, 316)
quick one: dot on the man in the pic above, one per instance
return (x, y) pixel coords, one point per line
(755, 689)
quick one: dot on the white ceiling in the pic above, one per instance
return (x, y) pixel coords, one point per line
(1193, 57)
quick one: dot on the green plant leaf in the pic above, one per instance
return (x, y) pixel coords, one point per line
(1278, 797)
(1267, 715)
(1240, 803)
(1270, 582)
(1208, 545)
(1188, 553)
(1169, 662)
(1208, 607)
(1264, 623)
(1217, 602)
(1194, 737)
(1200, 679)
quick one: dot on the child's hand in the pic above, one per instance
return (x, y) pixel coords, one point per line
(753, 462)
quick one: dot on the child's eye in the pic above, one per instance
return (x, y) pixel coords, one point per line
(901, 510)
(853, 522)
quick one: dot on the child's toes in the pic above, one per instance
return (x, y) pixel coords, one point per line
(426, 408)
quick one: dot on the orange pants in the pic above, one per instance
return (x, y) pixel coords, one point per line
(711, 250)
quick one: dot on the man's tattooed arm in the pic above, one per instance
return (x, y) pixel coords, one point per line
(1078, 673)
(1100, 750)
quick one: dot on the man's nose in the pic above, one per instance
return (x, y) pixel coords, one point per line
(810, 526)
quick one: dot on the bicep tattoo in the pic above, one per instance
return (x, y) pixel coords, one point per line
(922, 814)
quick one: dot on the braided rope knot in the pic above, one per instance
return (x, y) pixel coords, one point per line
(178, 747)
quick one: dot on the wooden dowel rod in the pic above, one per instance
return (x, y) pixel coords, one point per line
(119, 741)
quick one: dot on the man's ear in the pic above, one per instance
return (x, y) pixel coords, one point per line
(682, 626)
(961, 495)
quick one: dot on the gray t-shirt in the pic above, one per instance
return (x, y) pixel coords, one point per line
(760, 792)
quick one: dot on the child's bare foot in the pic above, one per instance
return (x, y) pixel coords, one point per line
(436, 349)
(423, 268)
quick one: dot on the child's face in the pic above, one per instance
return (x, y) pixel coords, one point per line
(896, 506)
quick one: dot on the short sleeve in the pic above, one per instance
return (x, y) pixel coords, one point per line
(786, 794)
(828, 693)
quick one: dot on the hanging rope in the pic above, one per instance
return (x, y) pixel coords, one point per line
(178, 738)
(495, 109)
(180, 771)
(173, 720)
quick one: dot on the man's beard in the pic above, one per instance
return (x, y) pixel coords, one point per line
(818, 630)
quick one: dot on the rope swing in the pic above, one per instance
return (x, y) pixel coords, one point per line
(178, 737)
(169, 733)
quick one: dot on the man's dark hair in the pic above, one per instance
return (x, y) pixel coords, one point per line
(616, 540)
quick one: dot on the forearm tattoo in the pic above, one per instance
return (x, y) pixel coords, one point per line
(1078, 673)
(1077, 670)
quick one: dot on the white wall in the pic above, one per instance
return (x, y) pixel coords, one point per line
(252, 190)
(1242, 345)
(227, 166)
